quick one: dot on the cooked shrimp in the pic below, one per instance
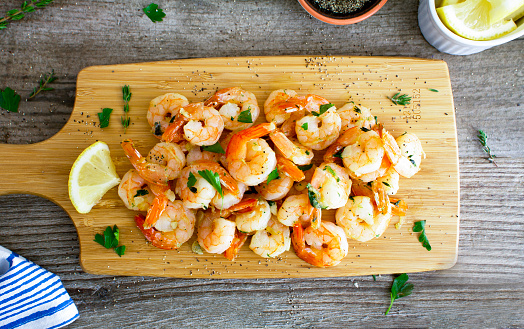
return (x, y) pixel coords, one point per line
(375, 191)
(390, 180)
(363, 153)
(332, 185)
(297, 209)
(172, 228)
(276, 113)
(163, 109)
(411, 155)
(230, 102)
(352, 115)
(163, 165)
(294, 151)
(318, 132)
(271, 241)
(197, 154)
(229, 198)
(250, 159)
(288, 127)
(322, 247)
(276, 189)
(134, 191)
(202, 192)
(361, 220)
(215, 235)
(238, 241)
(255, 219)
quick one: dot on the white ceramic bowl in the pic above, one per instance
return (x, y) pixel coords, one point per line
(440, 37)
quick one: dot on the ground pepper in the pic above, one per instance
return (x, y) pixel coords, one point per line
(340, 6)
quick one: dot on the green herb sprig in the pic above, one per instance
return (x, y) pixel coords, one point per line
(9, 99)
(420, 226)
(245, 117)
(215, 148)
(104, 117)
(212, 178)
(313, 196)
(322, 109)
(110, 240)
(399, 99)
(154, 13)
(18, 14)
(400, 289)
(46, 79)
(126, 95)
(483, 139)
(191, 181)
(273, 175)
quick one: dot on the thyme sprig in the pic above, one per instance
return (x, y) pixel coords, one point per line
(18, 14)
(483, 139)
(46, 79)
(126, 95)
(399, 99)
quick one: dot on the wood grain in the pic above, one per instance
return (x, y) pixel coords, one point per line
(484, 289)
(432, 194)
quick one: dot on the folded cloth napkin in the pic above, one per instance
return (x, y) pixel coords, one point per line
(31, 297)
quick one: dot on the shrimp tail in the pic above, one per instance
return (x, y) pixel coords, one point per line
(238, 241)
(289, 168)
(174, 132)
(303, 251)
(154, 236)
(155, 211)
(238, 141)
(399, 207)
(131, 152)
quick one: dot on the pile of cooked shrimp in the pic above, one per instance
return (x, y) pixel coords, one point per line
(215, 171)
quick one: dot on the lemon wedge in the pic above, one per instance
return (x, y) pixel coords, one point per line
(92, 175)
(501, 9)
(470, 20)
(449, 2)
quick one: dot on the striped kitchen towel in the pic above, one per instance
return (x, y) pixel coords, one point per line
(31, 297)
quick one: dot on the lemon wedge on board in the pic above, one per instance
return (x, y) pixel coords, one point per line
(91, 176)
(470, 20)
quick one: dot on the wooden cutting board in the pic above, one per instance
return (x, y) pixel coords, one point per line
(432, 194)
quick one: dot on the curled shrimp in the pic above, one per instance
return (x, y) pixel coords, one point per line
(364, 151)
(134, 191)
(390, 181)
(229, 198)
(297, 209)
(274, 109)
(173, 227)
(230, 102)
(215, 234)
(411, 155)
(250, 160)
(319, 131)
(278, 188)
(332, 185)
(294, 151)
(163, 109)
(197, 154)
(352, 115)
(324, 246)
(288, 126)
(361, 220)
(201, 193)
(272, 240)
(254, 219)
(162, 165)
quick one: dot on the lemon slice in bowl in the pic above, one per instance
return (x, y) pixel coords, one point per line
(470, 20)
(501, 9)
(92, 175)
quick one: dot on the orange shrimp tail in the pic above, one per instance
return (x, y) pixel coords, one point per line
(174, 132)
(303, 251)
(292, 104)
(131, 152)
(399, 207)
(237, 144)
(243, 206)
(154, 236)
(238, 241)
(390, 147)
(155, 211)
(289, 168)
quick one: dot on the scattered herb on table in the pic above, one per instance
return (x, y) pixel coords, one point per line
(104, 117)
(400, 289)
(420, 226)
(9, 100)
(245, 117)
(483, 139)
(46, 79)
(273, 175)
(322, 109)
(399, 99)
(213, 179)
(433, 90)
(215, 148)
(18, 14)
(126, 95)
(110, 240)
(154, 13)
(374, 277)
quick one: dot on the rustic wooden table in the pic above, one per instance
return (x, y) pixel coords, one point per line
(484, 288)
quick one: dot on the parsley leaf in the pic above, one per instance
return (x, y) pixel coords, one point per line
(213, 179)
(273, 175)
(245, 117)
(420, 226)
(332, 172)
(191, 181)
(399, 99)
(323, 108)
(141, 193)
(338, 154)
(104, 117)
(357, 109)
(312, 193)
(305, 167)
(154, 13)
(304, 126)
(110, 240)
(400, 289)
(364, 129)
(9, 100)
(215, 148)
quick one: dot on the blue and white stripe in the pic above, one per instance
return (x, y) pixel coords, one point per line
(31, 297)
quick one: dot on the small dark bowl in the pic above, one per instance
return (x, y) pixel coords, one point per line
(366, 11)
